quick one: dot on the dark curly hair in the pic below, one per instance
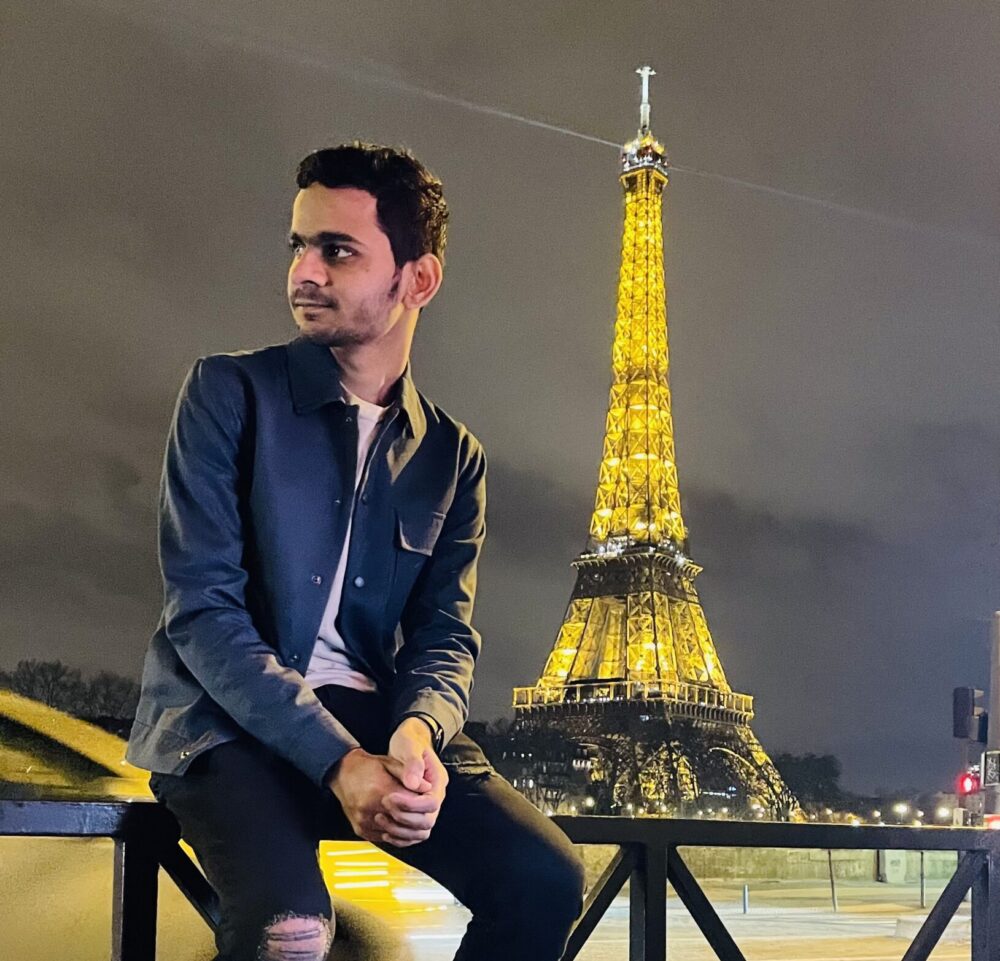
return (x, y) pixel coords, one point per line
(409, 202)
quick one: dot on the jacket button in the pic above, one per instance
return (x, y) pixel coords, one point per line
(316, 579)
(364, 498)
(337, 502)
(294, 658)
(185, 754)
(348, 419)
(359, 581)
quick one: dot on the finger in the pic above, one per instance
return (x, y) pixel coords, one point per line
(420, 822)
(395, 833)
(410, 803)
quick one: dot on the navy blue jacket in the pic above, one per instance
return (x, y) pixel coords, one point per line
(256, 494)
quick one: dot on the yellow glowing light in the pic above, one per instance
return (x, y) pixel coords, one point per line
(655, 633)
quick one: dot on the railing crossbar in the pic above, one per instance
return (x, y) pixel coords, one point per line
(192, 884)
(970, 867)
(701, 910)
(599, 899)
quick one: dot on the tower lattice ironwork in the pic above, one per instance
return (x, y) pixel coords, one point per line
(634, 673)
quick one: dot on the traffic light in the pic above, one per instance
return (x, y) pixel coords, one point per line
(967, 783)
(969, 719)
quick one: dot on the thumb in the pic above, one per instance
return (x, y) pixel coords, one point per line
(413, 773)
(398, 769)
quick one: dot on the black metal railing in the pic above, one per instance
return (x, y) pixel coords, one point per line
(146, 838)
(648, 857)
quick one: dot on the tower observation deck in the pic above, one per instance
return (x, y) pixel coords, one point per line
(634, 657)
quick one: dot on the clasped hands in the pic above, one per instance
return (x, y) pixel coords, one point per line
(392, 798)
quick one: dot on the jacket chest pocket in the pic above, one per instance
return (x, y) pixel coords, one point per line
(417, 533)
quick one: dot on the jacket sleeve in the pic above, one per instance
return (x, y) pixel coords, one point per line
(440, 646)
(201, 541)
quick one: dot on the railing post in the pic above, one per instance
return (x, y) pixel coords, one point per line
(648, 905)
(993, 873)
(133, 914)
(985, 910)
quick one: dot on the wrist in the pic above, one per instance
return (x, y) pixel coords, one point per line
(417, 727)
(342, 765)
(423, 722)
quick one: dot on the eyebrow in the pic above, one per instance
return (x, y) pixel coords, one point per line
(323, 238)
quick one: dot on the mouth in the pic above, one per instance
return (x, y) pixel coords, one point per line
(310, 303)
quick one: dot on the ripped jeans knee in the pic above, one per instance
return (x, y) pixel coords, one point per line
(296, 937)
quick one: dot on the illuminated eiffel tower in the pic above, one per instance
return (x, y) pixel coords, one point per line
(634, 674)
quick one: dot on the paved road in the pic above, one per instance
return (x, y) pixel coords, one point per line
(786, 922)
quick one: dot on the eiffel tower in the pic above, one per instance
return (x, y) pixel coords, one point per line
(634, 676)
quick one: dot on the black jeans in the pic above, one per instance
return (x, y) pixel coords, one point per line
(255, 823)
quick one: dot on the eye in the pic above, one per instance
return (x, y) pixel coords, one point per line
(336, 252)
(296, 246)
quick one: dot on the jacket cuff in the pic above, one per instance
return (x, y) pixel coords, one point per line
(316, 755)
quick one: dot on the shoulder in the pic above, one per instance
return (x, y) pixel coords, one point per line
(232, 381)
(239, 363)
(237, 371)
(449, 431)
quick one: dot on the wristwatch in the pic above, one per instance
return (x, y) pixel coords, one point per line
(437, 732)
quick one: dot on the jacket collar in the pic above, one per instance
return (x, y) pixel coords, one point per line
(314, 376)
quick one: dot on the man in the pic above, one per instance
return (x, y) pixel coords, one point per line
(320, 527)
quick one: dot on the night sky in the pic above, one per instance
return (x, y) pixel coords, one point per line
(835, 356)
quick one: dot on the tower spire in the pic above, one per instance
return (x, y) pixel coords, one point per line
(644, 72)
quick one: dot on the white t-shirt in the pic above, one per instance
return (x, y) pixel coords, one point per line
(330, 663)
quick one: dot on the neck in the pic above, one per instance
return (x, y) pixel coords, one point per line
(371, 375)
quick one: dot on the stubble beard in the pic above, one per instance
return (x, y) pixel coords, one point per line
(337, 336)
(367, 322)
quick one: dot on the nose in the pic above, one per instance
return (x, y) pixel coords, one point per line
(308, 268)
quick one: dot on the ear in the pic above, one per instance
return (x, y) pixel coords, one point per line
(426, 274)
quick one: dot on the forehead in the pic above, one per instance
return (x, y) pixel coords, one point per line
(344, 210)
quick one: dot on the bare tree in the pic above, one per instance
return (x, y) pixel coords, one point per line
(110, 695)
(50, 682)
(106, 695)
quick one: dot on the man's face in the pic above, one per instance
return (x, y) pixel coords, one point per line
(343, 284)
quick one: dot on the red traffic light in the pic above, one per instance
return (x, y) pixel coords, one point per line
(968, 783)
